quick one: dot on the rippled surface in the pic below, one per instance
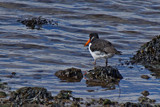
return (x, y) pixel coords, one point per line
(35, 55)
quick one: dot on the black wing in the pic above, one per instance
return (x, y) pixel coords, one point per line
(103, 46)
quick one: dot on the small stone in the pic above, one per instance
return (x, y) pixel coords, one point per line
(145, 93)
(70, 75)
(107, 101)
(145, 76)
(13, 73)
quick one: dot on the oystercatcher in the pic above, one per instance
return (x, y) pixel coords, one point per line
(100, 48)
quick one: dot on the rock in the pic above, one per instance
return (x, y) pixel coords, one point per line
(104, 73)
(36, 22)
(30, 95)
(107, 101)
(149, 52)
(70, 75)
(75, 104)
(3, 94)
(145, 76)
(64, 94)
(4, 86)
(145, 93)
(103, 76)
(145, 100)
(65, 99)
(149, 55)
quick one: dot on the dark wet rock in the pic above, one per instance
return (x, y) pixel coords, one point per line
(75, 104)
(4, 86)
(3, 94)
(146, 100)
(103, 76)
(30, 95)
(6, 105)
(149, 52)
(70, 75)
(13, 73)
(104, 73)
(65, 98)
(88, 104)
(130, 104)
(145, 93)
(155, 71)
(145, 76)
(107, 101)
(36, 22)
(64, 94)
(149, 55)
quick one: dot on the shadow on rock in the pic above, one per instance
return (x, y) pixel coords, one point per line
(70, 75)
(103, 76)
(149, 56)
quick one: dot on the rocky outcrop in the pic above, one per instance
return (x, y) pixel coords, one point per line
(70, 75)
(149, 55)
(103, 76)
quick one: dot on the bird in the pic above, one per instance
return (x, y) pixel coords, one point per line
(100, 48)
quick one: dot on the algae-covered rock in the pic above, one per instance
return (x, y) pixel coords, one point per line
(3, 94)
(64, 94)
(145, 100)
(149, 52)
(107, 101)
(103, 76)
(149, 55)
(104, 73)
(145, 93)
(30, 95)
(70, 75)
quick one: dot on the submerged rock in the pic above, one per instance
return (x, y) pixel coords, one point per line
(30, 95)
(149, 55)
(70, 75)
(36, 22)
(103, 76)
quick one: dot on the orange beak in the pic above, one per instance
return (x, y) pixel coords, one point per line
(87, 42)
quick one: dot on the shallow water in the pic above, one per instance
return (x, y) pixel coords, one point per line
(35, 55)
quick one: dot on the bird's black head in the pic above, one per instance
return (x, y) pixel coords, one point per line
(93, 36)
